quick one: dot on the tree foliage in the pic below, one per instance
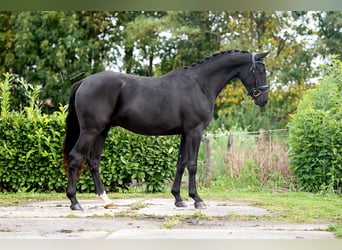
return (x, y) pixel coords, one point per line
(330, 33)
(55, 49)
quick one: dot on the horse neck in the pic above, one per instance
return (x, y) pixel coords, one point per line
(218, 71)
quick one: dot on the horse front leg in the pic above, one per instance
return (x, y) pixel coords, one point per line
(181, 163)
(192, 147)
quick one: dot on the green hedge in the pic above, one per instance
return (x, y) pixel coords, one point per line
(315, 134)
(31, 160)
(127, 156)
(30, 153)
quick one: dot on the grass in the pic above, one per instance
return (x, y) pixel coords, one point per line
(138, 205)
(171, 222)
(12, 199)
(298, 207)
(289, 206)
(337, 229)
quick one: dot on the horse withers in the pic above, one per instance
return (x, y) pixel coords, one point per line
(179, 102)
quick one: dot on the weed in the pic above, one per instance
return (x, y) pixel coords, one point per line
(105, 215)
(199, 215)
(70, 216)
(170, 222)
(138, 205)
(124, 213)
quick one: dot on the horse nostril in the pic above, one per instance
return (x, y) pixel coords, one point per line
(266, 102)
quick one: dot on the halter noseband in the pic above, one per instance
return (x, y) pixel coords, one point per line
(258, 90)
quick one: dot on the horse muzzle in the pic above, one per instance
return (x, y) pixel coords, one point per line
(260, 95)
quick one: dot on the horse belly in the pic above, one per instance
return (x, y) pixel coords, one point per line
(148, 121)
(143, 126)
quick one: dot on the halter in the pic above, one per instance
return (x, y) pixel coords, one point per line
(258, 90)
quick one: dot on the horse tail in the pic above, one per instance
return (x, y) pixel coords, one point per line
(72, 129)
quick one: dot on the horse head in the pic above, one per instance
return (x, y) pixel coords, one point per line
(253, 77)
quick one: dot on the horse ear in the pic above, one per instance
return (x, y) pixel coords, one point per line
(261, 55)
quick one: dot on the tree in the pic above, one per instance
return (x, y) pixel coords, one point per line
(142, 36)
(55, 49)
(289, 66)
(194, 35)
(6, 40)
(330, 32)
(175, 39)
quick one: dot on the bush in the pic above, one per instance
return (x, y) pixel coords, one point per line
(149, 160)
(315, 134)
(31, 143)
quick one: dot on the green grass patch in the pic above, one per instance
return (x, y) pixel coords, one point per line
(288, 206)
(70, 216)
(171, 222)
(337, 229)
(12, 199)
(138, 205)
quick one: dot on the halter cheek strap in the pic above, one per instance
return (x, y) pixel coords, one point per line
(258, 90)
(253, 63)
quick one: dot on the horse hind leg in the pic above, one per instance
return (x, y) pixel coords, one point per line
(93, 161)
(76, 158)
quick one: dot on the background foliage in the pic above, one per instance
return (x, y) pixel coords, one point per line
(315, 135)
(72, 44)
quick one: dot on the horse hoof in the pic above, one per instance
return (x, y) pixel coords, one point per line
(181, 204)
(109, 205)
(200, 205)
(76, 206)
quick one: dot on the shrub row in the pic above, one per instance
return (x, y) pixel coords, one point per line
(315, 134)
(148, 160)
(31, 160)
(30, 153)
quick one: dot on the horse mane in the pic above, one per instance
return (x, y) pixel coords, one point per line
(206, 59)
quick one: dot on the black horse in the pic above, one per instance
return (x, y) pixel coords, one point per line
(180, 102)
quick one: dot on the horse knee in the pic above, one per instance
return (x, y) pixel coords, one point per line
(181, 168)
(192, 167)
(94, 165)
(75, 156)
